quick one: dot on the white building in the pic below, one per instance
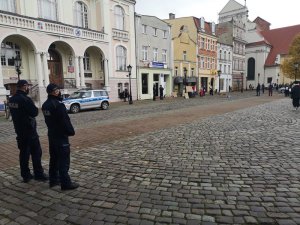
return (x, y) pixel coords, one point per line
(73, 43)
(232, 27)
(225, 66)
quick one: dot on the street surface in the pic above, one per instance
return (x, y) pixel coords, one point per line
(197, 161)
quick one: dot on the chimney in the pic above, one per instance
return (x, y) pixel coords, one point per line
(171, 16)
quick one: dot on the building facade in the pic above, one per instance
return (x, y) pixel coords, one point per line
(207, 54)
(75, 44)
(154, 56)
(232, 28)
(184, 40)
(225, 67)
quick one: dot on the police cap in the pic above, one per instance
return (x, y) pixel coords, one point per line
(21, 83)
(51, 88)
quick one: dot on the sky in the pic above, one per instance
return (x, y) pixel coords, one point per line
(277, 12)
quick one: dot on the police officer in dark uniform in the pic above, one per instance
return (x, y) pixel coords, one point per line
(59, 130)
(23, 113)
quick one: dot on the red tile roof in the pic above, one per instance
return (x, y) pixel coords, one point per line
(280, 39)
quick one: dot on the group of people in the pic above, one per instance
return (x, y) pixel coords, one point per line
(262, 88)
(24, 111)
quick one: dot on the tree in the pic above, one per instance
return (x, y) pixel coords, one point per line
(288, 65)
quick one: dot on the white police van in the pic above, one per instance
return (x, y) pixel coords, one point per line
(87, 99)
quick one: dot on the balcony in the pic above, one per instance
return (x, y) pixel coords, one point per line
(120, 35)
(28, 23)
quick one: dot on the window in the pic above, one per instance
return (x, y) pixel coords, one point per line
(165, 34)
(225, 69)
(202, 63)
(192, 72)
(144, 27)
(176, 71)
(213, 65)
(145, 83)
(81, 15)
(229, 72)
(155, 54)
(202, 41)
(48, 9)
(121, 58)
(208, 44)
(220, 54)
(8, 5)
(164, 55)
(208, 63)
(184, 55)
(145, 53)
(9, 51)
(154, 31)
(120, 88)
(229, 57)
(86, 62)
(119, 18)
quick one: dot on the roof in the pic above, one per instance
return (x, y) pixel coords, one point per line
(280, 39)
(207, 26)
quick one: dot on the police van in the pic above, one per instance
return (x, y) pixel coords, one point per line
(86, 99)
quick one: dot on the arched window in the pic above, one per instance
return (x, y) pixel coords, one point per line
(119, 18)
(81, 15)
(8, 5)
(48, 9)
(251, 69)
(121, 58)
(220, 55)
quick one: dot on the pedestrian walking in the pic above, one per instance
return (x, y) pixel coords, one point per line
(154, 92)
(59, 130)
(270, 89)
(295, 95)
(161, 92)
(258, 89)
(23, 112)
(263, 88)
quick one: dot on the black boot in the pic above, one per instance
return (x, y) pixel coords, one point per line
(70, 186)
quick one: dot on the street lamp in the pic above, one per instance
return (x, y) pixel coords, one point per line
(219, 75)
(185, 72)
(18, 62)
(258, 76)
(129, 75)
(277, 79)
(242, 75)
(296, 65)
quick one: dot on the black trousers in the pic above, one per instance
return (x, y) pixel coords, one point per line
(30, 146)
(59, 165)
(296, 102)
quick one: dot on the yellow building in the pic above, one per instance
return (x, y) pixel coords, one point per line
(184, 39)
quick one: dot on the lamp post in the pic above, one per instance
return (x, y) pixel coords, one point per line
(18, 62)
(242, 75)
(296, 65)
(246, 83)
(277, 79)
(185, 72)
(258, 77)
(129, 75)
(219, 75)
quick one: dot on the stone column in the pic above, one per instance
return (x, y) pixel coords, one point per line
(82, 80)
(38, 69)
(106, 72)
(1, 77)
(77, 72)
(45, 67)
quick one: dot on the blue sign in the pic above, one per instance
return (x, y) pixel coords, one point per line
(158, 64)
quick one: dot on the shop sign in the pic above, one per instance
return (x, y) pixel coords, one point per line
(157, 65)
(70, 69)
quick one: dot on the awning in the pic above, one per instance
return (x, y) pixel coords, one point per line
(178, 80)
(191, 79)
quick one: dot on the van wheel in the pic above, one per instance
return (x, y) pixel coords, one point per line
(104, 105)
(74, 108)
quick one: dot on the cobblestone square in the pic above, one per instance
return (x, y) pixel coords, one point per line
(213, 161)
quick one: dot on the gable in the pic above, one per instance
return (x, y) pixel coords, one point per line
(232, 5)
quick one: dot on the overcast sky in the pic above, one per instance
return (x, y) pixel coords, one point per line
(278, 13)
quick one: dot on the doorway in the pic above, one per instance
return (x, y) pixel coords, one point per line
(55, 68)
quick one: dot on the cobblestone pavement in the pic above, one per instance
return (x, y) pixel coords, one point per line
(225, 162)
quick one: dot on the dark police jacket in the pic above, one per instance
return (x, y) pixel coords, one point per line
(57, 118)
(295, 92)
(23, 112)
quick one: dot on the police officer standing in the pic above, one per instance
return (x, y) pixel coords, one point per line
(23, 113)
(59, 130)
